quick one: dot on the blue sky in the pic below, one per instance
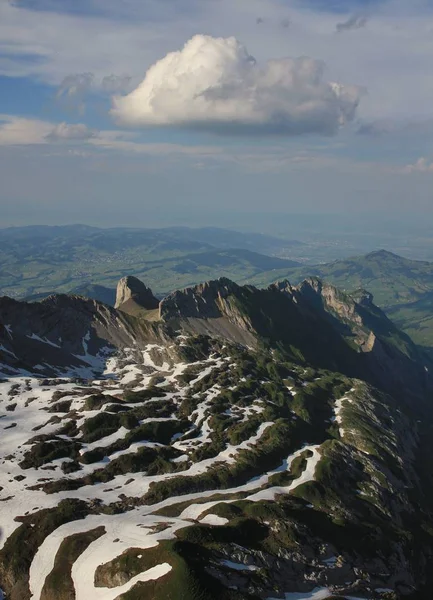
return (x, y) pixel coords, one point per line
(142, 112)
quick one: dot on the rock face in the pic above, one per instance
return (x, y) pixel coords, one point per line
(65, 332)
(131, 290)
(212, 308)
(389, 354)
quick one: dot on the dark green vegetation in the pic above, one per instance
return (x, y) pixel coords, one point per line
(59, 584)
(17, 554)
(187, 581)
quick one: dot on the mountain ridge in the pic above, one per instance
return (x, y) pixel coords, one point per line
(311, 315)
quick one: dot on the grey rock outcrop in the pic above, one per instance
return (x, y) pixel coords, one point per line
(132, 289)
(213, 308)
(208, 300)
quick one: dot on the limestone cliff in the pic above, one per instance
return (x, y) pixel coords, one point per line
(131, 292)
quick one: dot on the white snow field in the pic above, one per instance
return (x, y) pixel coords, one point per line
(35, 409)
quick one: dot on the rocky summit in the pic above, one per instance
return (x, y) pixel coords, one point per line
(131, 294)
(226, 443)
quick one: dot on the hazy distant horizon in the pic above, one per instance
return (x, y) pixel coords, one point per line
(408, 235)
(365, 221)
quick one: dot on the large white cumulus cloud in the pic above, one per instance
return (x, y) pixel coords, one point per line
(214, 83)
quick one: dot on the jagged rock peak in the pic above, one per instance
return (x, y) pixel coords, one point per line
(131, 288)
(69, 301)
(221, 286)
(334, 296)
(322, 288)
(206, 300)
(283, 286)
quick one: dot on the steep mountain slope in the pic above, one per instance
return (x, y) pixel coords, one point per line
(416, 318)
(314, 321)
(243, 446)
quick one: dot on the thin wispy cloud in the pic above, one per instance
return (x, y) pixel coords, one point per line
(422, 165)
(388, 127)
(77, 84)
(20, 131)
(353, 22)
(64, 132)
(115, 84)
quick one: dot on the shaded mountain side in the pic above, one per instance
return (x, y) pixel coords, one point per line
(314, 322)
(67, 331)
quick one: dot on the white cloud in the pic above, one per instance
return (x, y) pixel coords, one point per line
(20, 131)
(214, 83)
(422, 165)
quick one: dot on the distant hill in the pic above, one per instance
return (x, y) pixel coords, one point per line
(40, 259)
(391, 278)
(96, 292)
(416, 318)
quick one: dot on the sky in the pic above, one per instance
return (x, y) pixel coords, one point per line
(164, 112)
